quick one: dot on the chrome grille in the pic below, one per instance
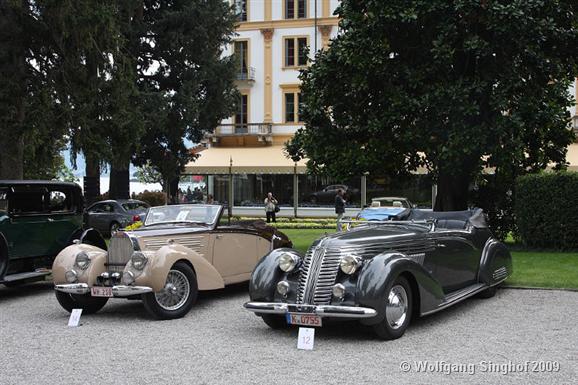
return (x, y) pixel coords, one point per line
(321, 265)
(119, 252)
(193, 243)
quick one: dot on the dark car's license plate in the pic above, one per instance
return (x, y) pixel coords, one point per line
(303, 319)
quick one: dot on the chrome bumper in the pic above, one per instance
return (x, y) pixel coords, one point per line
(117, 291)
(320, 310)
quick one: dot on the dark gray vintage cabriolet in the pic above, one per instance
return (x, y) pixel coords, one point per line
(382, 273)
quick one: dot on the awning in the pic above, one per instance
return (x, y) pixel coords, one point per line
(245, 160)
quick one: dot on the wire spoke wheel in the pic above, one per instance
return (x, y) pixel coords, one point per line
(176, 291)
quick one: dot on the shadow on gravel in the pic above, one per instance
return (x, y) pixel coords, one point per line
(25, 290)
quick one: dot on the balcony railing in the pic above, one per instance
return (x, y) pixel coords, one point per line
(246, 74)
(260, 129)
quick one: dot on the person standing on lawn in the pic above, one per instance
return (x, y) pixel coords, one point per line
(270, 205)
(339, 207)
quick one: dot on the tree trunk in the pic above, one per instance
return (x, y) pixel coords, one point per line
(452, 192)
(12, 158)
(92, 181)
(173, 190)
(119, 182)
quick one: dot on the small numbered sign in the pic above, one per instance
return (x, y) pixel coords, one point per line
(306, 338)
(74, 319)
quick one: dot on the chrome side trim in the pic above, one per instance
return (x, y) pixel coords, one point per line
(320, 310)
(453, 299)
(126, 291)
(73, 288)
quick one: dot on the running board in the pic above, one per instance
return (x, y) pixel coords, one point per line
(33, 275)
(458, 296)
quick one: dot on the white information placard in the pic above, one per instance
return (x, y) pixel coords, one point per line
(306, 338)
(74, 319)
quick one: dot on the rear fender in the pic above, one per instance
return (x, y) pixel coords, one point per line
(156, 270)
(377, 276)
(495, 263)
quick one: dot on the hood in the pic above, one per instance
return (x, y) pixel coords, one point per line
(370, 241)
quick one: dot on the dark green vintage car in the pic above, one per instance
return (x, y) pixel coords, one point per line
(37, 220)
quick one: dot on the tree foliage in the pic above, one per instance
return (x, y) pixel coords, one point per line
(455, 86)
(186, 83)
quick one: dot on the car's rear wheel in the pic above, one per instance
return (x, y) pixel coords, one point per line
(488, 293)
(398, 310)
(114, 227)
(88, 304)
(275, 321)
(178, 295)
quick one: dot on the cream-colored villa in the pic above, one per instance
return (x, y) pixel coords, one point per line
(247, 149)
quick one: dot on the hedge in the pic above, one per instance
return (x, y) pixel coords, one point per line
(546, 210)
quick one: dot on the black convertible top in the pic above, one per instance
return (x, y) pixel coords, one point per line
(473, 216)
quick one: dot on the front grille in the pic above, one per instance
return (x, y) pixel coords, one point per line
(119, 252)
(321, 265)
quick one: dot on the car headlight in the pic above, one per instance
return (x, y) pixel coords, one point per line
(288, 262)
(138, 260)
(349, 264)
(82, 260)
(127, 278)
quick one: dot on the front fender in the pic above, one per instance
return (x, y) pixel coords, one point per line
(378, 275)
(266, 275)
(66, 259)
(157, 268)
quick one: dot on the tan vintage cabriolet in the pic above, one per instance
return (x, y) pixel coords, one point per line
(180, 250)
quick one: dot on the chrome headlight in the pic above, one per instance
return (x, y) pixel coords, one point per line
(349, 264)
(283, 288)
(138, 260)
(82, 260)
(71, 276)
(127, 278)
(288, 262)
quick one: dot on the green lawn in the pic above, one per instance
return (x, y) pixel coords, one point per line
(531, 268)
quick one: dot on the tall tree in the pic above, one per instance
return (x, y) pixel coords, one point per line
(457, 86)
(186, 83)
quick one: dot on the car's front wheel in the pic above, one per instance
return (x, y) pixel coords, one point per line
(178, 295)
(398, 310)
(275, 321)
(88, 304)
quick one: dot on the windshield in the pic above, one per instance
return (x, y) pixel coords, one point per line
(390, 202)
(130, 206)
(207, 214)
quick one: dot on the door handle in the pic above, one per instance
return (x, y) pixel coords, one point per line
(50, 220)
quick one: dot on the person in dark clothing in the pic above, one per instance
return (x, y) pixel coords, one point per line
(339, 208)
(270, 205)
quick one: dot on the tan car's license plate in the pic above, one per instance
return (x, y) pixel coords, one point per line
(99, 291)
(303, 319)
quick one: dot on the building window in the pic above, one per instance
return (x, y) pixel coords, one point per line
(242, 54)
(241, 118)
(296, 52)
(295, 9)
(241, 8)
(292, 102)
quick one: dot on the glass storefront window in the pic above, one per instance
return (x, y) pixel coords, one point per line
(416, 188)
(318, 191)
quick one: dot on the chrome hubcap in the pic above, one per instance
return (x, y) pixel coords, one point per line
(396, 307)
(176, 291)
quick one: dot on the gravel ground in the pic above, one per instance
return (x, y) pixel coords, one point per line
(220, 343)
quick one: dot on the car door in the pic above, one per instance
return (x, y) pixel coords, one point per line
(454, 262)
(62, 219)
(27, 219)
(97, 217)
(235, 255)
